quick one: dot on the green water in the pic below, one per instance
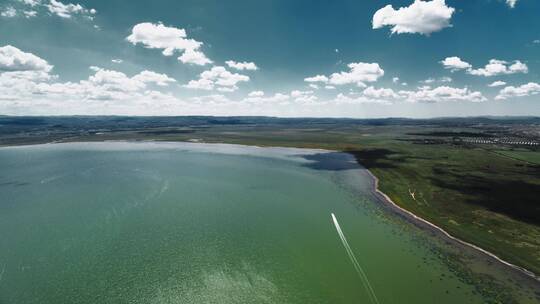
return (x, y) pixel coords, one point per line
(194, 223)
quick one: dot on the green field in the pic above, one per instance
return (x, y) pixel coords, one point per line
(527, 156)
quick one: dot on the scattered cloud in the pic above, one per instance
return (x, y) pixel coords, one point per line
(170, 40)
(318, 78)
(421, 17)
(396, 80)
(297, 96)
(511, 3)
(119, 82)
(217, 77)
(442, 93)
(29, 14)
(256, 94)
(424, 94)
(67, 10)
(32, 3)
(445, 79)
(303, 96)
(28, 84)
(30, 9)
(9, 12)
(153, 77)
(433, 80)
(194, 57)
(13, 59)
(531, 88)
(495, 67)
(455, 63)
(117, 60)
(276, 98)
(497, 83)
(381, 93)
(227, 89)
(242, 65)
(345, 99)
(114, 81)
(499, 67)
(25, 77)
(359, 73)
(212, 99)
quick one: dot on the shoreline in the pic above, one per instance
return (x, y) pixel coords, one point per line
(419, 221)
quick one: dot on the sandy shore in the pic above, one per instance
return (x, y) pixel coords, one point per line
(429, 225)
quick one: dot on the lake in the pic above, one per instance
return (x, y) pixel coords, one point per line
(127, 222)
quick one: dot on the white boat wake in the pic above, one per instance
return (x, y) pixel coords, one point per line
(359, 270)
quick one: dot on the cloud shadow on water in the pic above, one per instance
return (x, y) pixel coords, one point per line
(331, 161)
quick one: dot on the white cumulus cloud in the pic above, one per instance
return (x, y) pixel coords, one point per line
(433, 80)
(499, 67)
(212, 99)
(218, 77)
(531, 88)
(13, 59)
(242, 65)
(29, 14)
(495, 67)
(170, 40)
(381, 93)
(442, 93)
(53, 7)
(455, 63)
(317, 78)
(303, 96)
(511, 3)
(106, 91)
(262, 99)
(153, 77)
(256, 94)
(9, 12)
(67, 10)
(421, 17)
(497, 83)
(344, 99)
(359, 73)
(194, 57)
(31, 2)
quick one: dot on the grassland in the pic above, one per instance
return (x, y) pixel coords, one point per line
(487, 195)
(532, 157)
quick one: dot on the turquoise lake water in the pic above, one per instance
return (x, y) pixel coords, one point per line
(122, 222)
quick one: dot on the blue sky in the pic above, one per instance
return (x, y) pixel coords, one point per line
(281, 58)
